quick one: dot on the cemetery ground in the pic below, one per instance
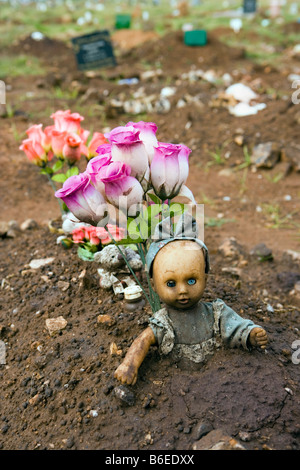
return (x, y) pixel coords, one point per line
(58, 391)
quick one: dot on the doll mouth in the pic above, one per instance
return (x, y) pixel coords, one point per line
(183, 301)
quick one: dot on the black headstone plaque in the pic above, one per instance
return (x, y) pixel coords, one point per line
(94, 51)
(249, 6)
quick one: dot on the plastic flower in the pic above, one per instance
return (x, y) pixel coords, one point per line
(58, 140)
(73, 148)
(169, 169)
(122, 190)
(147, 135)
(82, 199)
(93, 170)
(37, 134)
(97, 140)
(127, 147)
(35, 152)
(67, 121)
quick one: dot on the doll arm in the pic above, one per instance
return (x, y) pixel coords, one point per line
(128, 369)
(258, 337)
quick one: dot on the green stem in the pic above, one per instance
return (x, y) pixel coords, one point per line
(54, 189)
(130, 268)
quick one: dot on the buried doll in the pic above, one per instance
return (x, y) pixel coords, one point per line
(186, 327)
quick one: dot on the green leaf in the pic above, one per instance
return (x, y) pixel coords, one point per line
(57, 166)
(84, 254)
(72, 171)
(60, 177)
(154, 198)
(46, 171)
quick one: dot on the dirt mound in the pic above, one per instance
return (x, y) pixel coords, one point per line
(58, 391)
(52, 52)
(171, 53)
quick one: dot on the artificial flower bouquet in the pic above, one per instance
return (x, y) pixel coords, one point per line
(129, 182)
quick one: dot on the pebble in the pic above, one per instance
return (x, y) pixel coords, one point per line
(262, 252)
(230, 248)
(202, 429)
(63, 285)
(217, 440)
(28, 224)
(55, 325)
(265, 155)
(106, 320)
(38, 263)
(125, 395)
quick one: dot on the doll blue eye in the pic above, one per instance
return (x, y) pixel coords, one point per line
(191, 282)
(171, 283)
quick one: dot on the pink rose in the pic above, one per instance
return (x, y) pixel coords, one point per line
(103, 149)
(67, 121)
(93, 170)
(116, 232)
(169, 169)
(73, 148)
(98, 139)
(121, 189)
(78, 234)
(34, 152)
(58, 139)
(147, 135)
(82, 199)
(127, 147)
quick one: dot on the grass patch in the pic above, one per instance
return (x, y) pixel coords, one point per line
(20, 65)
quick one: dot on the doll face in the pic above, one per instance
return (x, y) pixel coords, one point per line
(179, 274)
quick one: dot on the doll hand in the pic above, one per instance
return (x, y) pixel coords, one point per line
(258, 337)
(126, 373)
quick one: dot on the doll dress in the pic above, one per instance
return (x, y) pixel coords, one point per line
(195, 333)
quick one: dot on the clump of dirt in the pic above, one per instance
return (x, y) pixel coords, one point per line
(58, 391)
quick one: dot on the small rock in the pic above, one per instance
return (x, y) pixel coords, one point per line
(217, 440)
(63, 285)
(291, 154)
(125, 395)
(292, 255)
(114, 351)
(235, 272)
(266, 155)
(70, 442)
(202, 429)
(106, 320)
(4, 227)
(230, 248)
(38, 263)
(54, 325)
(244, 436)
(262, 252)
(28, 224)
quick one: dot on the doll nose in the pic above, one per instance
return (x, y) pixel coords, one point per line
(182, 288)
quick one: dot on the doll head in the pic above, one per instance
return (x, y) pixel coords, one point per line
(179, 273)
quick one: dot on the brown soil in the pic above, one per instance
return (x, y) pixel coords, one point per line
(50, 384)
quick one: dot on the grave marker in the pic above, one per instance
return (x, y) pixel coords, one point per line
(94, 51)
(123, 22)
(249, 6)
(197, 37)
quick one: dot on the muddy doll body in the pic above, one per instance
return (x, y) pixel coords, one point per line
(186, 327)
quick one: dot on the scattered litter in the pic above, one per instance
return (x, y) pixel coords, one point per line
(241, 93)
(244, 109)
(37, 36)
(128, 81)
(236, 24)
